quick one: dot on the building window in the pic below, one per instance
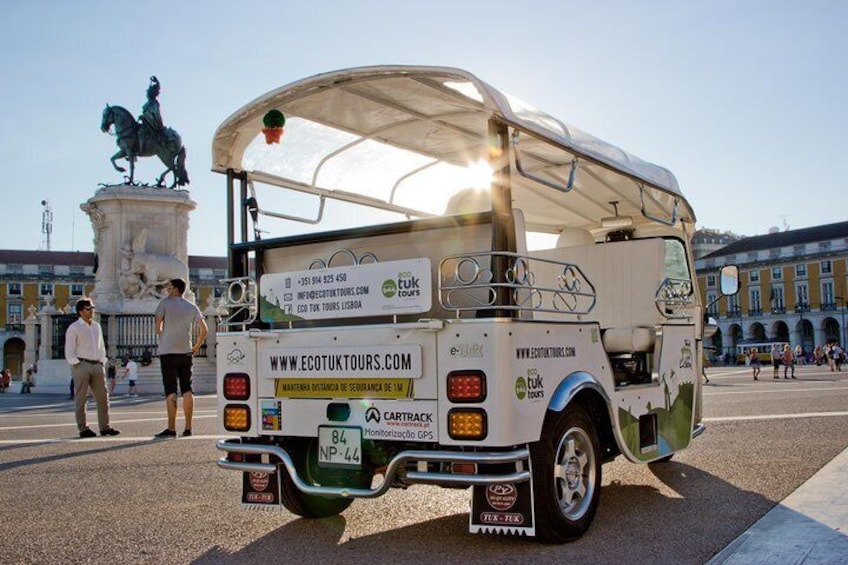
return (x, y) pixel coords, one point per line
(45, 289)
(733, 305)
(801, 270)
(16, 313)
(828, 297)
(46, 270)
(799, 250)
(777, 273)
(711, 281)
(826, 267)
(14, 269)
(756, 304)
(77, 290)
(713, 303)
(802, 298)
(77, 270)
(754, 276)
(774, 253)
(824, 245)
(777, 303)
(14, 289)
(752, 256)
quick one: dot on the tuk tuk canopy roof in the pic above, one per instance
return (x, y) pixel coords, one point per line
(396, 137)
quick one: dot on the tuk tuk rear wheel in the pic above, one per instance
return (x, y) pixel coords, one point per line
(566, 475)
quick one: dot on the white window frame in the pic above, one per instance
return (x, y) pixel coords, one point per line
(826, 267)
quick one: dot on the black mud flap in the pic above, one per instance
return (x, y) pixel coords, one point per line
(503, 509)
(260, 490)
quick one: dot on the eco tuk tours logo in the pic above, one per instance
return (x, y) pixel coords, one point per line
(406, 286)
(531, 388)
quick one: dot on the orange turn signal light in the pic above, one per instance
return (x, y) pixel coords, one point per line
(467, 423)
(236, 418)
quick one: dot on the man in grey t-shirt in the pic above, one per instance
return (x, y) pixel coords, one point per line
(175, 317)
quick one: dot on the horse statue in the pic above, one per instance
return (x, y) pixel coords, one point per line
(145, 138)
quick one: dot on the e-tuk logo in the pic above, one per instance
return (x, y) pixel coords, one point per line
(467, 350)
(531, 388)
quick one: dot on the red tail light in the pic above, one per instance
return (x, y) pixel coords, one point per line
(466, 386)
(236, 386)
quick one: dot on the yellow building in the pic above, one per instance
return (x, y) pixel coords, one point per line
(29, 279)
(793, 286)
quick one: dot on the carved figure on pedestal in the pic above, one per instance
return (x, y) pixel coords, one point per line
(143, 274)
(146, 137)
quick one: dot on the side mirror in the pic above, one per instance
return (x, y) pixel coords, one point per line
(729, 277)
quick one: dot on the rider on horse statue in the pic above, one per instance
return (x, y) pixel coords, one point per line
(146, 137)
(152, 128)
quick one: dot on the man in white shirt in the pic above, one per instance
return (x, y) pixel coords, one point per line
(86, 353)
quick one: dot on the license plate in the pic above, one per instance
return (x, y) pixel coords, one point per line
(340, 447)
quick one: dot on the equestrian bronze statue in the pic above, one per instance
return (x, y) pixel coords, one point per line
(146, 137)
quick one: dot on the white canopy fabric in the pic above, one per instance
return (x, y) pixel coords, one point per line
(419, 129)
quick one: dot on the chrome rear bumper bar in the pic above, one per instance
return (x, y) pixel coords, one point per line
(520, 455)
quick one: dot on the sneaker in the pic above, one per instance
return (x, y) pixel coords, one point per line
(187, 432)
(166, 433)
(109, 432)
(88, 432)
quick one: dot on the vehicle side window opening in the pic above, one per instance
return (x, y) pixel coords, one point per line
(676, 264)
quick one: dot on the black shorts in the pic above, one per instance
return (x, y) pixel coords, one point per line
(176, 368)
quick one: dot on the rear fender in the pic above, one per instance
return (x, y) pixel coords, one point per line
(585, 389)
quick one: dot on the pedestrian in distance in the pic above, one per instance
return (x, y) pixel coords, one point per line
(754, 357)
(5, 380)
(27, 382)
(788, 361)
(175, 319)
(775, 360)
(800, 356)
(131, 374)
(111, 375)
(85, 352)
(818, 355)
(838, 356)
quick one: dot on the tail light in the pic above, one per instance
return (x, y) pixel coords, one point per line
(236, 417)
(236, 386)
(467, 423)
(466, 386)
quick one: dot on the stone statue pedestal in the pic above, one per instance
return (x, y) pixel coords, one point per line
(140, 241)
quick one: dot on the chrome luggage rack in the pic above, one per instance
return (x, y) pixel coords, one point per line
(466, 284)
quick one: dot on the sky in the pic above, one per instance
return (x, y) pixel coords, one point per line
(743, 100)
